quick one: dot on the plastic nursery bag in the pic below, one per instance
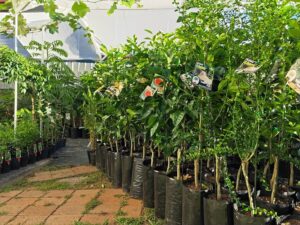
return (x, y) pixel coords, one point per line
(198, 78)
(248, 66)
(293, 76)
(116, 89)
(148, 92)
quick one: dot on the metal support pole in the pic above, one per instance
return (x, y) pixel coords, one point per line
(16, 81)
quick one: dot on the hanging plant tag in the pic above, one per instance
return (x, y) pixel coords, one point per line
(68, 116)
(116, 89)
(158, 85)
(198, 78)
(142, 80)
(248, 66)
(148, 92)
(293, 77)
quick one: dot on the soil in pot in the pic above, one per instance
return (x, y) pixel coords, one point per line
(243, 219)
(127, 162)
(192, 204)
(218, 211)
(117, 176)
(136, 187)
(148, 184)
(173, 209)
(160, 179)
(283, 206)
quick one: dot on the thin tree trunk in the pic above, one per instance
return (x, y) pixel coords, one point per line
(266, 169)
(169, 165)
(110, 144)
(117, 146)
(245, 173)
(218, 168)
(152, 154)
(131, 143)
(196, 173)
(33, 107)
(292, 174)
(208, 163)
(144, 147)
(238, 178)
(274, 182)
(178, 164)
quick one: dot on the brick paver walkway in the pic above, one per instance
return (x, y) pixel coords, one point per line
(30, 206)
(63, 173)
(64, 207)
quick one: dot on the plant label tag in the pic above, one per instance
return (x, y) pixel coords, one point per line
(40, 147)
(68, 116)
(248, 66)
(148, 92)
(35, 148)
(293, 76)
(116, 89)
(157, 84)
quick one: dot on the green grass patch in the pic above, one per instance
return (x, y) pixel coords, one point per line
(96, 180)
(3, 213)
(92, 204)
(129, 221)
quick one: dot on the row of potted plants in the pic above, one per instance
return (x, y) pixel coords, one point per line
(25, 147)
(207, 111)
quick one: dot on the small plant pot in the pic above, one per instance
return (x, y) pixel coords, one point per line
(173, 210)
(217, 212)
(117, 176)
(45, 153)
(136, 187)
(192, 206)
(160, 179)
(112, 166)
(91, 157)
(24, 159)
(242, 219)
(5, 167)
(99, 156)
(32, 157)
(148, 184)
(127, 162)
(15, 163)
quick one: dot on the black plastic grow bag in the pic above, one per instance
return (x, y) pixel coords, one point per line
(160, 179)
(103, 159)
(99, 156)
(24, 158)
(136, 187)
(117, 176)
(15, 163)
(126, 172)
(173, 211)
(91, 157)
(108, 162)
(217, 212)
(112, 165)
(241, 219)
(192, 206)
(148, 184)
(5, 167)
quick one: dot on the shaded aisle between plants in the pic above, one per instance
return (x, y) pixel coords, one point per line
(73, 154)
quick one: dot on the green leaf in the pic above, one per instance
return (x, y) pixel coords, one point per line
(112, 8)
(153, 129)
(80, 8)
(177, 118)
